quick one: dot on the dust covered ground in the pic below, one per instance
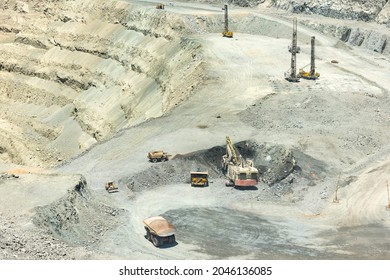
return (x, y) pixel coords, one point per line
(89, 87)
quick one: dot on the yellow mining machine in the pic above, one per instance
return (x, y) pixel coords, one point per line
(291, 74)
(240, 172)
(226, 32)
(312, 74)
(110, 187)
(155, 156)
(199, 178)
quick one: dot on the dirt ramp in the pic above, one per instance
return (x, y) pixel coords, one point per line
(78, 217)
(21, 243)
(34, 206)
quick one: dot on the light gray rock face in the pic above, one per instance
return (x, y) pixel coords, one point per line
(368, 39)
(384, 15)
(373, 40)
(361, 10)
(365, 10)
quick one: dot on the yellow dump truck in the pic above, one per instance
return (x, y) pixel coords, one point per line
(159, 231)
(200, 179)
(155, 156)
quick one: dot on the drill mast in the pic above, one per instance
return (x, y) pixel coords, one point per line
(291, 74)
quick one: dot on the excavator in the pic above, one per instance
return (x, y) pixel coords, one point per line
(240, 172)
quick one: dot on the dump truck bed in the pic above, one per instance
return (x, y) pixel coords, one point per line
(160, 226)
(154, 154)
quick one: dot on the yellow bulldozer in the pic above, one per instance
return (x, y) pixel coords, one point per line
(110, 187)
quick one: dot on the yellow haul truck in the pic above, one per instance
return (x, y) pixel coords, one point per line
(155, 156)
(200, 179)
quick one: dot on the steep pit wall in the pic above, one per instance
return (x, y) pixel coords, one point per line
(363, 10)
(73, 73)
(370, 39)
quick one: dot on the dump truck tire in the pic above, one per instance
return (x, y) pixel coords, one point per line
(148, 234)
(154, 160)
(155, 241)
(163, 159)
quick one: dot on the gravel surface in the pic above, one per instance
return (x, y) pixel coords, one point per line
(90, 87)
